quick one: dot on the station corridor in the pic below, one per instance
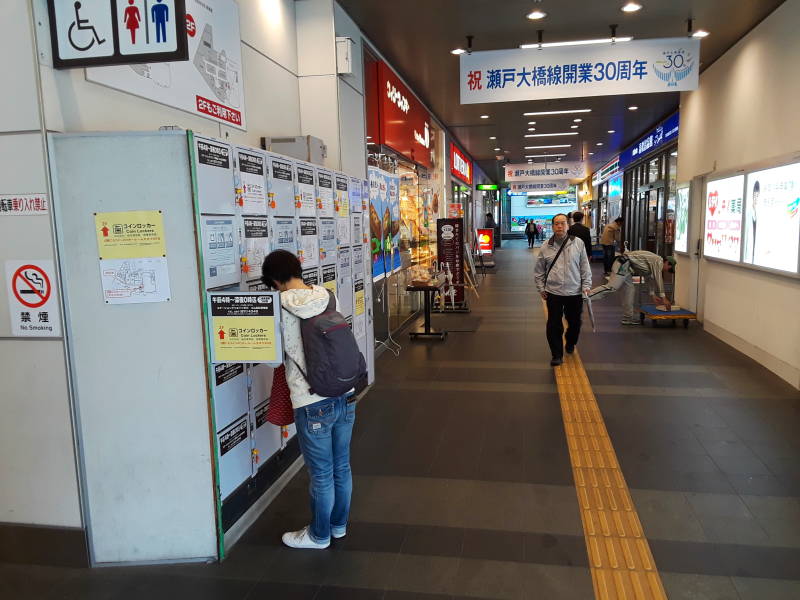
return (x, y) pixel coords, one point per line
(465, 486)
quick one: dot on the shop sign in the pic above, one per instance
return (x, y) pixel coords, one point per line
(404, 122)
(450, 253)
(606, 173)
(523, 187)
(546, 171)
(486, 241)
(460, 166)
(661, 135)
(634, 67)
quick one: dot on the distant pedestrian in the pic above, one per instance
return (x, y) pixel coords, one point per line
(530, 233)
(561, 281)
(489, 222)
(580, 231)
(611, 235)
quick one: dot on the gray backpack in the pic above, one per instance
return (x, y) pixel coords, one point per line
(334, 364)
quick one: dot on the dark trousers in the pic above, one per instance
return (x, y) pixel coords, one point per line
(530, 240)
(608, 257)
(558, 307)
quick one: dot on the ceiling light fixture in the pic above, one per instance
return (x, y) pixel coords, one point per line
(577, 43)
(599, 143)
(532, 135)
(497, 149)
(531, 122)
(591, 153)
(611, 131)
(700, 33)
(484, 116)
(577, 120)
(457, 51)
(494, 137)
(631, 7)
(536, 14)
(543, 155)
(531, 128)
(557, 112)
(546, 147)
(573, 126)
(633, 108)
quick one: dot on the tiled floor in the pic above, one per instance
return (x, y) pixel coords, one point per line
(463, 486)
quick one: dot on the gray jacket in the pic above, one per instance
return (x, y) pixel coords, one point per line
(571, 273)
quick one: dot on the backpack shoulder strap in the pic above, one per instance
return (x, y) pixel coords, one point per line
(331, 301)
(552, 264)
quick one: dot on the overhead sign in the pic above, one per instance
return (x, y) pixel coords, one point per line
(661, 135)
(607, 172)
(546, 171)
(116, 32)
(32, 299)
(523, 187)
(210, 84)
(460, 165)
(404, 122)
(637, 67)
(487, 187)
(245, 326)
(23, 204)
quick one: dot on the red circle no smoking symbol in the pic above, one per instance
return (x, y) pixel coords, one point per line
(31, 286)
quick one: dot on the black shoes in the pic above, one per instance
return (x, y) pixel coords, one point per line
(555, 361)
(570, 349)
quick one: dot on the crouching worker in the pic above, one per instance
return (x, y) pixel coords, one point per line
(323, 365)
(642, 263)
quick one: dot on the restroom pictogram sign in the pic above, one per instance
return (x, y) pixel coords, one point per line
(31, 286)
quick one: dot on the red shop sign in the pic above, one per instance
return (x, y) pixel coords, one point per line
(460, 166)
(404, 122)
(486, 241)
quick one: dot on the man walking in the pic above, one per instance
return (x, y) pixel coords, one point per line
(609, 239)
(581, 231)
(530, 233)
(562, 273)
(642, 263)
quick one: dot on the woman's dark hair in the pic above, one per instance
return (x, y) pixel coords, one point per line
(279, 267)
(577, 216)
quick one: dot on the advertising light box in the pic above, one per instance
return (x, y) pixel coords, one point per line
(772, 218)
(682, 219)
(723, 218)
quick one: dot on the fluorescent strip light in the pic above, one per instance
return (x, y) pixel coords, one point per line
(557, 112)
(700, 33)
(530, 135)
(531, 122)
(457, 51)
(545, 147)
(577, 43)
(543, 155)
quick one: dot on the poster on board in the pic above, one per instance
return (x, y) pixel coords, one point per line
(343, 227)
(682, 219)
(280, 181)
(135, 280)
(306, 190)
(210, 84)
(311, 276)
(393, 236)
(245, 327)
(309, 243)
(723, 218)
(342, 202)
(325, 193)
(772, 218)
(354, 192)
(284, 234)
(256, 245)
(220, 251)
(450, 251)
(344, 261)
(327, 241)
(329, 277)
(214, 170)
(251, 184)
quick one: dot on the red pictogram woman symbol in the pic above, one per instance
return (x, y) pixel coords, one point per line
(132, 18)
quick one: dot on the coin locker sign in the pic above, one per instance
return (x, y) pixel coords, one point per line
(130, 234)
(245, 327)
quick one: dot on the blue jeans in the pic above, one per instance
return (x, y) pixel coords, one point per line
(324, 430)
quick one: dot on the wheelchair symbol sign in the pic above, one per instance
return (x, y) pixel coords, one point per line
(84, 28)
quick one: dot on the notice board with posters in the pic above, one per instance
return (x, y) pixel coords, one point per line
(450, 250)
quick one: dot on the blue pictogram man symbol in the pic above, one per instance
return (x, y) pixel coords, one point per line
(160, 15)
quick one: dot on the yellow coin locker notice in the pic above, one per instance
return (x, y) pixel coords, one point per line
(244, 327)
(130, 234)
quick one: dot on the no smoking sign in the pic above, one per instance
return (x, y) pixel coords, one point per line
(32, 301)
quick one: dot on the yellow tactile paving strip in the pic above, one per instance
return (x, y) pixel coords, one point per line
(620, 560)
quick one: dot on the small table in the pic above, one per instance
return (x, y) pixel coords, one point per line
(649, 311)
(428, 288)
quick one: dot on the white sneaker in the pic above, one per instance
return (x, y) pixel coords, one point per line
(302, 539)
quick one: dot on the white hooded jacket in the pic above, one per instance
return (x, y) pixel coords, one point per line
(302, 303)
